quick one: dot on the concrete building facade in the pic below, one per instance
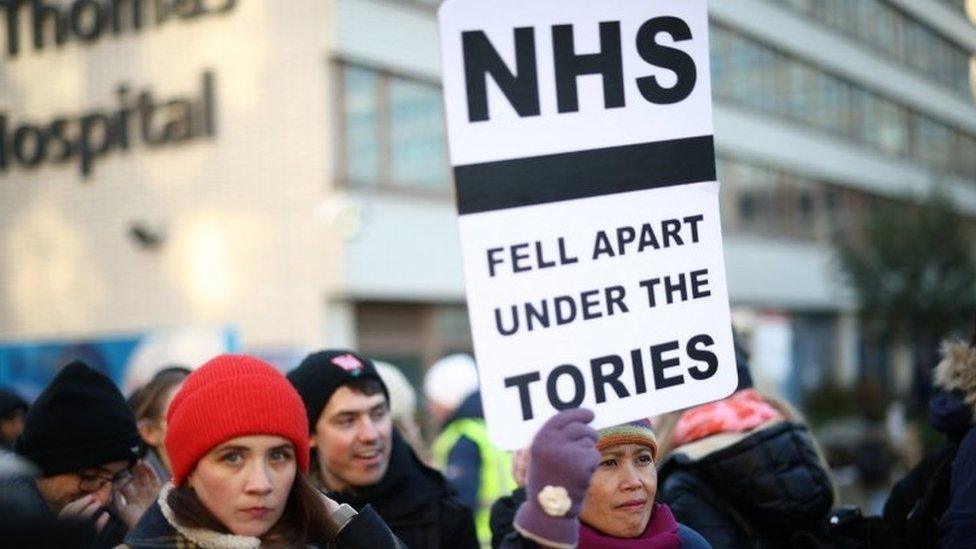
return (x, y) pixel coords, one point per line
(280, 168)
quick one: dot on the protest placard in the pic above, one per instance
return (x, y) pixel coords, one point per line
(581, 139)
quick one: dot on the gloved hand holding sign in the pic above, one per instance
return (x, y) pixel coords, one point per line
(562, 459)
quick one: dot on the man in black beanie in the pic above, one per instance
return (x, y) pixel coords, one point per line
(358, 457)
(82, 436)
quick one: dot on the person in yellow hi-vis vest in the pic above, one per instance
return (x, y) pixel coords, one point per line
(474, 467)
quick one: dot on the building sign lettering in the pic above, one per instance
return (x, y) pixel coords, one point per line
(89, 20)
(86, 137)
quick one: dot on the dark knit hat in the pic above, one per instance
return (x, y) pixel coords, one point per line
(10, 401)
(80, 420)
(322, 373)
(232, 396)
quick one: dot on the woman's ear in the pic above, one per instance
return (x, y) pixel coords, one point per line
(150, 432)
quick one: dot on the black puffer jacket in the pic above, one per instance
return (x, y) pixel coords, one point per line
(918, 500)
(754, 491)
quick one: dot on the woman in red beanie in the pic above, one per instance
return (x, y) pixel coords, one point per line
(238, 444)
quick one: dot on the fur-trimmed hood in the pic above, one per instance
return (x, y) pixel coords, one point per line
(957, 370)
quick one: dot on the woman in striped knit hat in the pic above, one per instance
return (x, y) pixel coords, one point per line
(590, 489)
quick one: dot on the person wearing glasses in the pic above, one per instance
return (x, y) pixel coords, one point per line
(82, 437)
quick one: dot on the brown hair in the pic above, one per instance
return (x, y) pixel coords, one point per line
(305, 520)
(147, 402)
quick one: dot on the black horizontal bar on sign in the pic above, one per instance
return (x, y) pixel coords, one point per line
(582, 174)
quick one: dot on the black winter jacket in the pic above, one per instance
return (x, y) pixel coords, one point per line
(918, 501)
(753, 492)
(416, 502)
(957, 528)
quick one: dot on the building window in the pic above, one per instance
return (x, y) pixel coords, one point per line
(392, 133)
(418, 156)
(412, 335)
(754, 75)
(765, 201)
(966, 7)
(967, 153)
(908, 41)
(933, 142)
(814, 352)
(362, 129)
(428, 4)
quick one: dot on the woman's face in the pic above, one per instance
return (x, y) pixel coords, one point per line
(161, 426)
(621, 494)
(153, 431)
(245, 482)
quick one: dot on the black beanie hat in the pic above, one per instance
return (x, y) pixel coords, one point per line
(10, 401)
(81, 420)
(322, 373)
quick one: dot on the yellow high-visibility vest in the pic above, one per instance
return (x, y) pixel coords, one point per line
(496, 467)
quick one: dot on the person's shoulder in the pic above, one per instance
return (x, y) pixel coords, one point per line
(678, 480)
(21, 493)
(450, 504)
(454, 516)
(964, 464)
(457, 524)
(690, 539)
(153, 531)
(968, 443)
(366, 529)
(512, 500)
(502, 515)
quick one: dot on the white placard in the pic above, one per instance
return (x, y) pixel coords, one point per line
(581, 137)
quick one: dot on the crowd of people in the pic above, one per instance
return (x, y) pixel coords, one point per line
(234, 453)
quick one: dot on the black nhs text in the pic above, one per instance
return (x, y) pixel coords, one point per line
(521, 86)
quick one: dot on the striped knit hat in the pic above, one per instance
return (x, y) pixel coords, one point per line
(635, 432)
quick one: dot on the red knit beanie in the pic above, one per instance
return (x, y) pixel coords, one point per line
(228, 397)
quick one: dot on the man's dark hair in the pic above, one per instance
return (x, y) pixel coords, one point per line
(366, 386)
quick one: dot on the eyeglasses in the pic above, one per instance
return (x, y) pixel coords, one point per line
(89, 483)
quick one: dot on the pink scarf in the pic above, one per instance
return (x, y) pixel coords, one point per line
(743, 411)
(661, 533)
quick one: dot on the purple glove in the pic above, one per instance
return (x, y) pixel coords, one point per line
(562, 459)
